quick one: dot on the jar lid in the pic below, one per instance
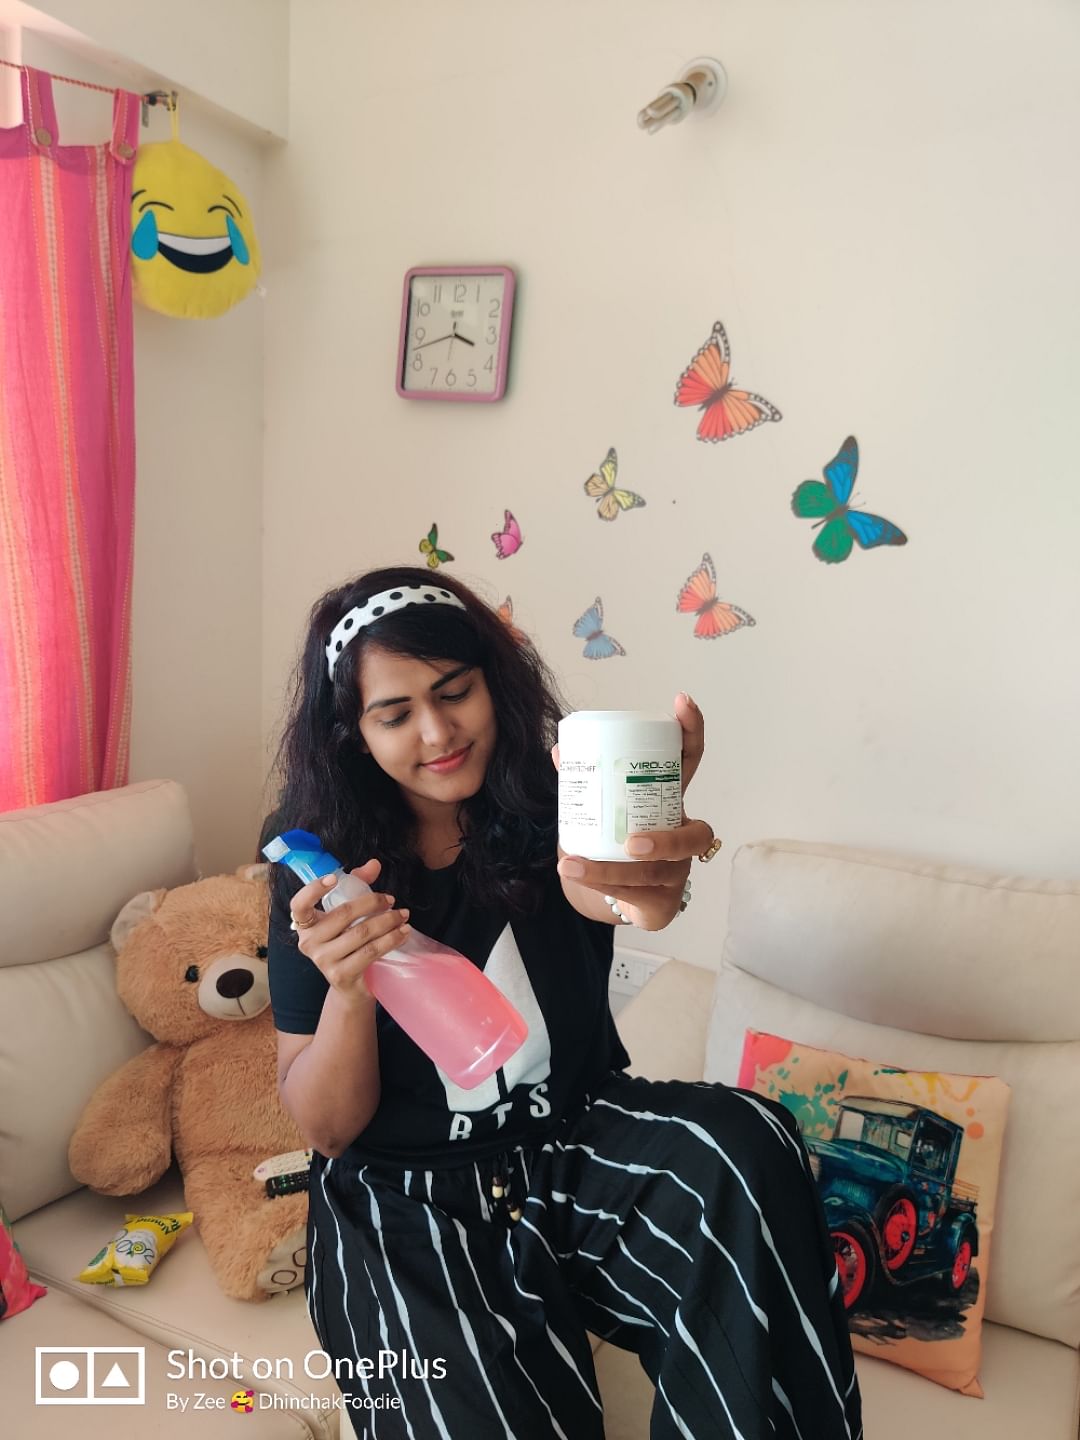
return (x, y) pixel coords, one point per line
(618, 717)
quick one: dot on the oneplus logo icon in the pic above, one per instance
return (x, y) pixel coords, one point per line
(90, 1375)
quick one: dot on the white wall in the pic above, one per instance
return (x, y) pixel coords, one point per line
(883, 213)
(198, 530)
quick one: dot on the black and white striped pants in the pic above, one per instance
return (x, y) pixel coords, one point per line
(677, 1220)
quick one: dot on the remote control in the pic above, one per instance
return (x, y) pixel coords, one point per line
(284, 1164)
(287, 1184)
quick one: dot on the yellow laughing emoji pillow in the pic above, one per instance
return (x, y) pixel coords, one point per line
(193, 241)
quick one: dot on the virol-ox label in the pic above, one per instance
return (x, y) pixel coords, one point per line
(620, 774)
(648, 796)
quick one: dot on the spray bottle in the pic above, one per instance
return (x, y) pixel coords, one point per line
(442, 1001)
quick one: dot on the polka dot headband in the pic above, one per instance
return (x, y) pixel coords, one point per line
(385, 603)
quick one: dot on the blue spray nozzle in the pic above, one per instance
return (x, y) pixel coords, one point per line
(302, 852)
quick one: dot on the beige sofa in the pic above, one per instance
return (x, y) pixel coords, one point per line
(874, 954)
(65, 872)
(931, 967)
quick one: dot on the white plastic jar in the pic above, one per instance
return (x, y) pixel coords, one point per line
(620, 774)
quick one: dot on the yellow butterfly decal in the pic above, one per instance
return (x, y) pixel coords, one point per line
(602, 487)
(430, 547)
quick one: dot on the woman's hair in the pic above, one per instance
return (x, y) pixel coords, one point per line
(328, 783)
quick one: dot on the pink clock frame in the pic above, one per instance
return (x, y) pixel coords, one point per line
(502, 354)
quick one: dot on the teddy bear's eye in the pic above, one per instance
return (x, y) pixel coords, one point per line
(191, 973)
(261, 951)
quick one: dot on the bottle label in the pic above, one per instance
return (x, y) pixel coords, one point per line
(648, 796)
(579, 795)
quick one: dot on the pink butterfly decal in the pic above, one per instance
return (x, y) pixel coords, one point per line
(508, 539)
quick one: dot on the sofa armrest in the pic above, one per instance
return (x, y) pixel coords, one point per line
(665, 1025)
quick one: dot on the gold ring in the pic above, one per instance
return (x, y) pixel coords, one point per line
(295, 924)
(714, 849)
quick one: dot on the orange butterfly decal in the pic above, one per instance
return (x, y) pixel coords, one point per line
(505, 613)
(698, 597)
(706, 382)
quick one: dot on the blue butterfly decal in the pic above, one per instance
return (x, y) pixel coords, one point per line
(590, 628)
(828, 504)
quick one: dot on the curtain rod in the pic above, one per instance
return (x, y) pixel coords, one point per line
(152, 97)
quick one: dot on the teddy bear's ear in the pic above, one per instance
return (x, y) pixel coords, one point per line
(134, 913)
(254, 873)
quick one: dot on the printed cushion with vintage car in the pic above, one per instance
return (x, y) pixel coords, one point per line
(907, 1166)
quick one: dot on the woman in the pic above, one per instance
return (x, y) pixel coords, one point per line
(463, 1242)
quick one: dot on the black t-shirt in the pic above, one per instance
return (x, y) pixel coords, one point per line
(553, 965)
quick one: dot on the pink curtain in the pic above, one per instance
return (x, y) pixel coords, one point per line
(67, 453)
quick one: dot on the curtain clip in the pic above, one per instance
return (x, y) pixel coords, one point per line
(157, 97)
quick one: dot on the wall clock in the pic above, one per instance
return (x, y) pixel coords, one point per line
(455, 332)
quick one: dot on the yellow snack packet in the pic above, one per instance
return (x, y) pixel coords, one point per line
(132, 1253)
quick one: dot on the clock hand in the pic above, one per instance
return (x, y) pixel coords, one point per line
(433, 342)
(463, 338)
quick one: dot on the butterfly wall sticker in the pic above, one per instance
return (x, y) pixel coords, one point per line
(429, 546)
(507, 541)
(590, 628)
(828, 504)
(505, 613)
(698, 597)
(706, 382)
(602, 487)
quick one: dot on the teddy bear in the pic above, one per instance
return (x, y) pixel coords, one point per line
(191, 968)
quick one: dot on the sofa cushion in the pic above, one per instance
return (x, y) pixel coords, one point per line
(907, 1163)
(17, 1291)
(66, 870)
(664, 1027)
(60, 1018)
(932, 966)
(1036, 1278)
(1031, 1390)
(891, 940)
(93, 853)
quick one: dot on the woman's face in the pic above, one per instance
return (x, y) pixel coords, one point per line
(429, 724)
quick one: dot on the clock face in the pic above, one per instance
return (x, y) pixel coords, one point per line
(455, 335)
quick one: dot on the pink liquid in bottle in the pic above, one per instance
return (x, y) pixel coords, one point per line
(444, 1003)
(449, 1008)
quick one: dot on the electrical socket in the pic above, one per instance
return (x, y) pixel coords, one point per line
(630, 970)
(624, 971)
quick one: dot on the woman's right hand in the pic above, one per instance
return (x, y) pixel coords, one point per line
(335, 943)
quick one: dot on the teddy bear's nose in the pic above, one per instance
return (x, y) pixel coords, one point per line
(234, 983)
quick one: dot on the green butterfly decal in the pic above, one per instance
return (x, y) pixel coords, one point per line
(829, 505)
(430, 548)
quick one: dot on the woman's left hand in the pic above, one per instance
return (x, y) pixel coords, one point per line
(649, 891)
